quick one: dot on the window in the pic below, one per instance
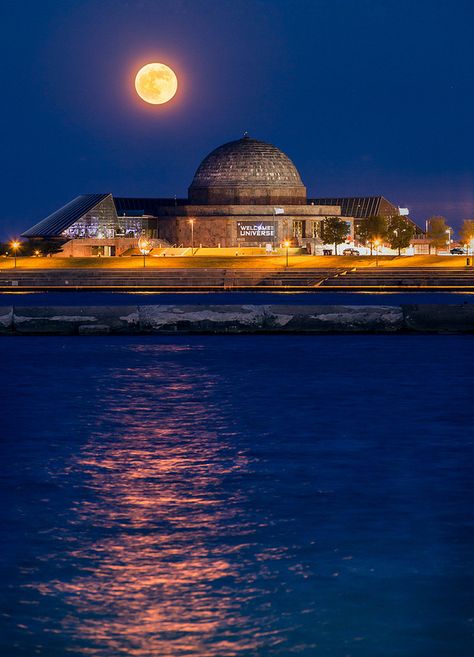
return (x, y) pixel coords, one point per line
(316, 227)
(102, 222)
(298, 229)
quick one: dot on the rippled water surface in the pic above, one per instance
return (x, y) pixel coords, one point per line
(317, 296)
(237, 496)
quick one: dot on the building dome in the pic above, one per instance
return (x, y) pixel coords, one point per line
(248, 172)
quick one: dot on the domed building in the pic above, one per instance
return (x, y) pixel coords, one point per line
(247, 172)
(245, 193)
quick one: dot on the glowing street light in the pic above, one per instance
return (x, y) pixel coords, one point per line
(15, 246)
(448, 231)
(144, 246)
(191, 223)
(287, 246)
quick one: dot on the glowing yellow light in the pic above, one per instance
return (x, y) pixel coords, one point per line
(144, 245)
(287, 244)
(15, 245)
(156, 83)
(37, 253)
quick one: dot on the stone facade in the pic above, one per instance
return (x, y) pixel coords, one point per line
(243, 225)
(82, 248)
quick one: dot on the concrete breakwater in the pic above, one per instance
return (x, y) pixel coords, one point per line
(235, 319)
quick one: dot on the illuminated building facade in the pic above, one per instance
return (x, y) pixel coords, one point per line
(362, 207)
(245, 193)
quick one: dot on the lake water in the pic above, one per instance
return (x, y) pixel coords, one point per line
(237, 496)
(74, 298)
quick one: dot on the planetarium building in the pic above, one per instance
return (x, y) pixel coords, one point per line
(244, 193)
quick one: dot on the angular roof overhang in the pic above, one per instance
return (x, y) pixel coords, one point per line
(57, 222)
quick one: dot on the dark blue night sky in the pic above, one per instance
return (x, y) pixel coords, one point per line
(366, 96)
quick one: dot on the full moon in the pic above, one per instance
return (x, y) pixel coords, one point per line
(156, 83)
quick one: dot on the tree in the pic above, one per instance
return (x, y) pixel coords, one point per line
(467, 231)
(49, 247)
(371, 229)
(44, 247)
(438, 231)
(334, 231)
(400, 232)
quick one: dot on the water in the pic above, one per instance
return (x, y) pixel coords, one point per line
(237, 496)
(74, 298)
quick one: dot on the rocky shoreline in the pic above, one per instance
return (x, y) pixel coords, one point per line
(235, 319)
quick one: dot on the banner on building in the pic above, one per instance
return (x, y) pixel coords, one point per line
(255, 231)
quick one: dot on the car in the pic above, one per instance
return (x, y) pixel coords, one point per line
(457, 251)
(353, 252)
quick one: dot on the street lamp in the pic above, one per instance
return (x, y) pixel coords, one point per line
(376, 244)
(191, 222)
(448, 230)
(287, 246)
(144, 246)
(15, 245)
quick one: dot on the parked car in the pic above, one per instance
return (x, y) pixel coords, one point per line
(353, 252)
(457, 251)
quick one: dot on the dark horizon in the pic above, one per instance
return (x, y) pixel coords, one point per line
(366, 100)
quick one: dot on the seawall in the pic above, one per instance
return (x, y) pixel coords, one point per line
(235, 319)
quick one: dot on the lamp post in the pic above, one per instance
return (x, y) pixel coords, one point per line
(275, 212)
(448, 230)
(191, 223)
(376, 244)
(15, 245)
(144, 246)
(286, 244)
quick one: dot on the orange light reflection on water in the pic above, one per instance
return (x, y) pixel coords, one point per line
(153, 576)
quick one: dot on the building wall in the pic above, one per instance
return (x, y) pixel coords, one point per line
(83, 248)
(250, 195)
(238, 225)
(234, 226)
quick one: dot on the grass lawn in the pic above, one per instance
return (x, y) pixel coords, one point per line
(235, 262)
